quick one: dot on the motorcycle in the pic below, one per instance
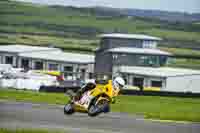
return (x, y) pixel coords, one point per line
(94, 101)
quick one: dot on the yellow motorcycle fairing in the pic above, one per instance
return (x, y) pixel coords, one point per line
(103, 92)
(107, 89)
(80, 108)
(101, 99)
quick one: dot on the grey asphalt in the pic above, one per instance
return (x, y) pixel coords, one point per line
(27, 115)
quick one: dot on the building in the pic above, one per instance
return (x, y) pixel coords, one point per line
(135, 57)
(73, 65)
(9, 54)
(142, 65)
(128, 50)
(162, 78)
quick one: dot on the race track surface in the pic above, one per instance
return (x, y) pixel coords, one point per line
(27, 115)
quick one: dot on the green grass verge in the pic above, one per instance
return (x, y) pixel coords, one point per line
(32, 24)
(164, 108)
(22, 17)
(167, 108)
(60, 42)
(182, 51)
(185, 63)
(181, 62)
(5, 130)
(31, 96)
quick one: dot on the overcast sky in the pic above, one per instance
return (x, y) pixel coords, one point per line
(191, 6)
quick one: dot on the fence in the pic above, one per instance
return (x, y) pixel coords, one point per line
(126, 92)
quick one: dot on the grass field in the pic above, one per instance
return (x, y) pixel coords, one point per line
(77, 29)
(170, 108)
(5, 130)
(30, 18)
(185, 63)
(182, 51)
(60, 42)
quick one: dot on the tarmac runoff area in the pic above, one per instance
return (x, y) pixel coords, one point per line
(27, 115)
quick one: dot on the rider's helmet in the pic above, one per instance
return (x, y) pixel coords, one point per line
(118, 83)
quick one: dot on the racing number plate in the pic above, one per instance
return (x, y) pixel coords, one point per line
(85, 99)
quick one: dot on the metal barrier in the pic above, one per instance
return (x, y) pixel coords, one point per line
(160, 93)
(59, 89)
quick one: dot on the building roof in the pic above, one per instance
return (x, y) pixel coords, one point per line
(24, 48)
(130, 36)
(158, 72)
(61, 56)
(138, 51)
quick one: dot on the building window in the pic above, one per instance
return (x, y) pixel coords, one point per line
(9, 60)
(148, 61)
(53, 67)
(83, 73)
(25, 63)
(139, 82)
(68, 72)
(149, 44)
(143, 60)
(38, 65)
(68, 69)
(156, 83)
(91, 75)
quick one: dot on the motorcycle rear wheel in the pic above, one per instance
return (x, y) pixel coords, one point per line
(68, 109)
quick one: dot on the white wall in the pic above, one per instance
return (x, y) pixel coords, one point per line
(147, 80)
(77, 69)
(91, 68)
(183, 84)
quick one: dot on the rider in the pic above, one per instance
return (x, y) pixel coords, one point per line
(116, 85)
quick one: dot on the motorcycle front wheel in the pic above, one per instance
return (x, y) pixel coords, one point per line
(101, 106)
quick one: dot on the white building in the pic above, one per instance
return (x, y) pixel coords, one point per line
(43, 58)
(163, 78)
(9, 53)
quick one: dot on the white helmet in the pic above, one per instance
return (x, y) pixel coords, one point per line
(118, 83)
